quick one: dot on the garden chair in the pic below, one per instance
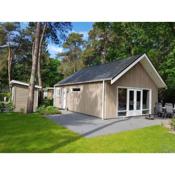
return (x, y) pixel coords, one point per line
(169, 110)
(159, 110)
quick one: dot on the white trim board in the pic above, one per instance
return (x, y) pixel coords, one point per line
(150, 69)
(127, 101)
(22, 83)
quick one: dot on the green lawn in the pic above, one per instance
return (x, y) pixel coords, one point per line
(33, 133)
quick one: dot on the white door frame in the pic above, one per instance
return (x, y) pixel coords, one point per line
(136, 112)
(64, 93)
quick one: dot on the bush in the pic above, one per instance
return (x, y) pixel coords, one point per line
(173, 123)
(5, 94)
(47, 102)
(6, 107)
(9, 107)
(48, 110)
(2, 107)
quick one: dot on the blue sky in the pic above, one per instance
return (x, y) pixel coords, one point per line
(79, 27)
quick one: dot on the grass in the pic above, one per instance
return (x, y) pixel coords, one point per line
(34, 133)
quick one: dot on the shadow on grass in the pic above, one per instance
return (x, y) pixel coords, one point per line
(21, 133)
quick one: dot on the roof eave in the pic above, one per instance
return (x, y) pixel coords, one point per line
(22, 83)
(84, 82)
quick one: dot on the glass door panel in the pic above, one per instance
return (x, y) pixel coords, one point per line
(131, 100)
(138, 100)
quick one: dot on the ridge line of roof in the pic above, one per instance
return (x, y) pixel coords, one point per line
(117, 59)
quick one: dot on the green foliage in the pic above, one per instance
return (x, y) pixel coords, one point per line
(47, 102)
(2, 107)
(108, 41)
(173, 123)
(71, 57)
(23, 37)
(50, 72)
(6, 107)
(48, 110)
(4, 94)
(9, 106)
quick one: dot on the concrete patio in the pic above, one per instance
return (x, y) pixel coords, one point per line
(90, 126)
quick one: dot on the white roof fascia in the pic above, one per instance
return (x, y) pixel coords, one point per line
(22, 83)
(126, 70)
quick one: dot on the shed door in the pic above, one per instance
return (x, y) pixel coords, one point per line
(64, 98)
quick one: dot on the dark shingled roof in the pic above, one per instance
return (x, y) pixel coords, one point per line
(99, 72)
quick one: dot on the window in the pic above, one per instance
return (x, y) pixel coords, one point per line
(75, 89)
(58, 92)
(122, 99)
(138, 100)
(145, 102)
(145, 99)
(45, 94)
(131, 100)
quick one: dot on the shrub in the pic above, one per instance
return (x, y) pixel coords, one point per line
(2, 107)
(173, 123)
(5, 94)
(9, 107)
(47, 102)
(6, 107)
(48, 110)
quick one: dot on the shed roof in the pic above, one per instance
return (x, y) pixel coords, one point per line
(22, 83)
(112, 71)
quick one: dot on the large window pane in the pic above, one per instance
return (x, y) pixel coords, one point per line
(138, 99)
(145, 99)
(131, 100)
(122, 94)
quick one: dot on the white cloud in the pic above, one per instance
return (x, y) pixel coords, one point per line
(85, 34)
(54, 49)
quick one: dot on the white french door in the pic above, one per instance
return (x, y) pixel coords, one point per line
(134, 102)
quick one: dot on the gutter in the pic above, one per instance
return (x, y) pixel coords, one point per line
(84, 82)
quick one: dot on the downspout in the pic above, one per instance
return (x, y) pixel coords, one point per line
(103, 95)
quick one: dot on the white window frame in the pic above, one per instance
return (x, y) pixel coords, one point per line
(76, 88)
(137, 88)
(58, 91)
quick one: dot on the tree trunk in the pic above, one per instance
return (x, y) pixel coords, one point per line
(30, 101)
(39, 55)
(9, 60)
(39, 64)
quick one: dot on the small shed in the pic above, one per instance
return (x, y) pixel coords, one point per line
(20, 96)
(48, 92)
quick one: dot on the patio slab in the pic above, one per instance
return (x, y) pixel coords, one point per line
(90, 126)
